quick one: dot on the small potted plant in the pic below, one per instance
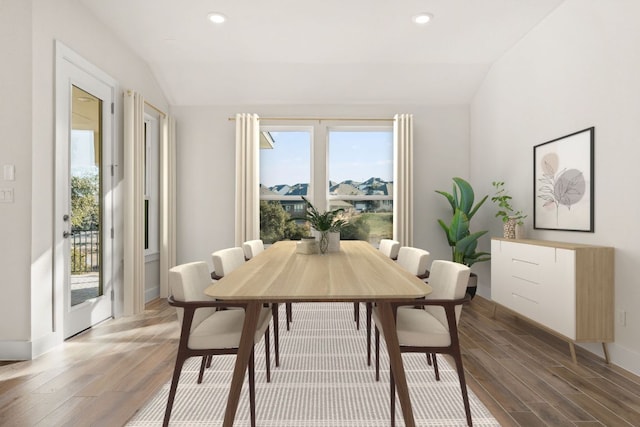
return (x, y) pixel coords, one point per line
(510, 217)
(324, 223)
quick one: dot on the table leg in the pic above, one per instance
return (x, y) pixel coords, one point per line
(395, 361)
(249, 327)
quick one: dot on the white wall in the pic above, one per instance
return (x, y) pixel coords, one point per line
(15, 149)
(206, 169)
(28, 30)
(579, 68)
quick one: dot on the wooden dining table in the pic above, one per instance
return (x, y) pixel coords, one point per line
(356, 273)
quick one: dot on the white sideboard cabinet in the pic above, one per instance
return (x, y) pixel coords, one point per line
(565, 288)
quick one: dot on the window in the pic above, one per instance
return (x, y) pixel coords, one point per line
(361, 181)
(352, 169)
(285, 176)
(151, 198)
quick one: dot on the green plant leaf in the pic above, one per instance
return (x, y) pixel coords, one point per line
(446, 231)
(449, 198)
(466, 195)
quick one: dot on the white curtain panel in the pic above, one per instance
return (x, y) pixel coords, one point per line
(133, 206)
(167, 201)
(403, 179)
(247, 178)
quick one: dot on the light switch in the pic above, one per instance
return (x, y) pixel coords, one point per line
(9, 172)
(6, 195)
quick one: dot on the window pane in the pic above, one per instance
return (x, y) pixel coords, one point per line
(285, 175)
(285, 169)
(370, 220)
(276, 220)
(361, 182)
(360, 163)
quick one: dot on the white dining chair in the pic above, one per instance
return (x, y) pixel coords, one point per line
(252, 248)
(224, 262)
(415, 261)
(389, 247)
(433, 328)
(206, 330)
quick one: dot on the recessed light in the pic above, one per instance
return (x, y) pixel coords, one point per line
(422, 18)
(217, 18)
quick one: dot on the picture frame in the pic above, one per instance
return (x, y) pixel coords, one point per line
(563, 183)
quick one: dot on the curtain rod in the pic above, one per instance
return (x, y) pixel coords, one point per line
(148, 104)
(354, 119)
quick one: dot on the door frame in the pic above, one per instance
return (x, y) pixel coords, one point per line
(66, 58)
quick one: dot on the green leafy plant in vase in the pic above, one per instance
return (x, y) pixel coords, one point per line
(509, 216)
(462, 241)
(324, 223)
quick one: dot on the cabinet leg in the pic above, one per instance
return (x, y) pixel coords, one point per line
(605, 349)
(572, 349)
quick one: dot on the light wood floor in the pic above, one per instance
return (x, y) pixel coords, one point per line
(523, 375)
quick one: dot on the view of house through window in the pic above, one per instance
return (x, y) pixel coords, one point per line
(285, 176)
(361, 181)
(352, 169)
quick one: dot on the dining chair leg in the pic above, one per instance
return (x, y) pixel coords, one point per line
(435, 366)
(252, 388)
(392, 396)
(180, 359)
(369, 307)
(267, 354)
(276, 332)
(356, 314)
(377, 340)
(463, 386)
(289, 313)
(203, 365)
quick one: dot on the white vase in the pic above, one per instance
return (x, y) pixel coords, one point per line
(334, 242)
(520, 231)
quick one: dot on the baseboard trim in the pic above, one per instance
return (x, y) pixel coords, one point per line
(15, 350)
(621, 357)
(28, 350)
(151, 294)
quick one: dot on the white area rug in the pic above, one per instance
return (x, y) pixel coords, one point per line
(323, 381)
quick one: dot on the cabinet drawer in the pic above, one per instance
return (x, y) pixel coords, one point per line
(523, 305)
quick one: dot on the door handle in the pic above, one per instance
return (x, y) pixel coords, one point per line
(66, 234)
(65, 217)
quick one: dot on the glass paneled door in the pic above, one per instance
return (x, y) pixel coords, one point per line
(85, 166)
(84, 198)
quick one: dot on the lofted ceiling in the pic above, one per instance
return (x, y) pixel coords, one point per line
(320, 52)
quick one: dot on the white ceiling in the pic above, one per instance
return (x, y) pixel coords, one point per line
(320, 52)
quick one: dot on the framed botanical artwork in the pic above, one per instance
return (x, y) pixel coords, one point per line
(563, 183)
